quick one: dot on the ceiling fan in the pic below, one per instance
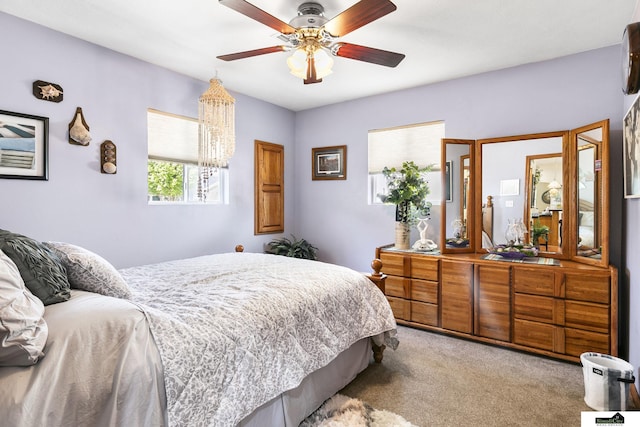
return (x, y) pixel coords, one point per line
(313, 37)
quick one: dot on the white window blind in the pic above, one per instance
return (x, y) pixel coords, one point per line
(172, 137)
(393, 146)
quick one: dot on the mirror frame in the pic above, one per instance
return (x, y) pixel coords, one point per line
(602, 189)
(570, 202)
(565, 251)
(471, 205)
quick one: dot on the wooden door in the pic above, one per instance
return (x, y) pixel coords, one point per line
(269, 188)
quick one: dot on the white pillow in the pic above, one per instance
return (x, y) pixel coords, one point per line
(89, 271)
(23, 331)
(586, 219)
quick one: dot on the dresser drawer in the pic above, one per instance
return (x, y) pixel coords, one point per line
(578, 341)
(423, 267)
(401, 308)
(534, 334)
(424, 291)
(538, 309)
(587, 287)
(587, 316)
(424, 313)
(534, 281)
(392, 264)
(395, 286)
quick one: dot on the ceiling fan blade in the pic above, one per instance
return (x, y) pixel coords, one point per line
(250, 53)
(259, 15)
(367, 54)
(358, 15)
(311, 71)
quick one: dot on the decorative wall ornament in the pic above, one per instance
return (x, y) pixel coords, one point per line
(216, 138)
(47, 91)
(79, 129)
(108, 157)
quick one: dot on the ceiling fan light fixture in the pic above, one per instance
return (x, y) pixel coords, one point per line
(298, 63)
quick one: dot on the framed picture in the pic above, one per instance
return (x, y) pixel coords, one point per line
(24, 146)
(448, 181)
(329, 162)
(510, 187)
(631, 149)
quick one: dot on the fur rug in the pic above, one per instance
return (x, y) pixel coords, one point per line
(344, 411)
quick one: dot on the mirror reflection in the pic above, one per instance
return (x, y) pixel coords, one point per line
(457, 223)
(527, 205)
(544, 194)
(589, 227)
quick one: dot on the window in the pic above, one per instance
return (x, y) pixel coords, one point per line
(172, 168)
(391, 147)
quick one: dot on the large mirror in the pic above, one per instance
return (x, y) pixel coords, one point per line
(457, 222)
(507, 171)
(592, 148)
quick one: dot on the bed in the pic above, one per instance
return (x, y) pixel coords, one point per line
(221, 340)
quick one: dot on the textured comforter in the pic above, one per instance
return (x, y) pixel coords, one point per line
(236, 330)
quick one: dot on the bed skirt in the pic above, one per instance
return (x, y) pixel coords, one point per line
(293, 406)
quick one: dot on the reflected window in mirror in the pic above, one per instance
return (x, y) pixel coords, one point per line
(391, 147)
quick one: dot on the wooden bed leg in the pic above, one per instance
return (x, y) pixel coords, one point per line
(377, 351)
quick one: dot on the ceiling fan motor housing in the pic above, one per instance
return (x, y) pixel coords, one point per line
(310, 15)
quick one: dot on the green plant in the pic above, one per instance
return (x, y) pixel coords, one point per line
(408, 190)
(293, 248)
(165, 180)
(538, 230)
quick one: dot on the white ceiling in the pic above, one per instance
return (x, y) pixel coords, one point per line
(442, 39)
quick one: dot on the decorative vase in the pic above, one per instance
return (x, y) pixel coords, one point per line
(403, 234)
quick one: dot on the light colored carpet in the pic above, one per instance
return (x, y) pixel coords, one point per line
(436, 380)
(344, 411)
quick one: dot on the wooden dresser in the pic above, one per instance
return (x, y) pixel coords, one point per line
(559, 311)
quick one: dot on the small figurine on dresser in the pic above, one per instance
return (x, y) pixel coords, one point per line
(424, 244)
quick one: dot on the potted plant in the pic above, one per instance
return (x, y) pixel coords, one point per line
(408, 190)
(292, 248)
(539, 231)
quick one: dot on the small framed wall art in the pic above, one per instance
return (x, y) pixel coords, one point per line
(329, 162)
(24, 146)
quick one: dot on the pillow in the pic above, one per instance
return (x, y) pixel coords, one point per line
(23, 331)
(41, 270)
(89, 271)
(586, 219)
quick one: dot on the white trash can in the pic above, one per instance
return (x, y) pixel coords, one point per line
(606, 381)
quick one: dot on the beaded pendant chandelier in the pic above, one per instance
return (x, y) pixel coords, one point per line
(216, 136)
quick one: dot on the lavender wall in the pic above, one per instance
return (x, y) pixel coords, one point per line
(109, 213)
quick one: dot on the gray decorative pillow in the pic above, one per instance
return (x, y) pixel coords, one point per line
(41, 270)
(23, 331)
(88, 271)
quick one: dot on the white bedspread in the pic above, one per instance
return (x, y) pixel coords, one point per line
(235, 330)
(101, 369)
